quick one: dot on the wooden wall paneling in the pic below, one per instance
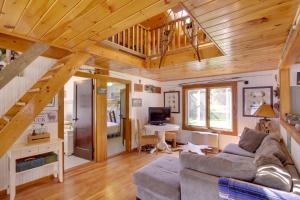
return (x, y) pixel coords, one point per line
(17, 66)
(101, 120)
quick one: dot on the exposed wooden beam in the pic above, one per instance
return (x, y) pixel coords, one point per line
(19, 65)
(186, 56)
(20, 44)
(291, 51)
(122, 57)
(24, 117)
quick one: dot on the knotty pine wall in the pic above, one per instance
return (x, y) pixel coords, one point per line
(9, 95)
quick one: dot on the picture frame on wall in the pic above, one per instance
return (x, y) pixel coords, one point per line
(172, 100)
(137, 102)
(254, 97)
(51, 103)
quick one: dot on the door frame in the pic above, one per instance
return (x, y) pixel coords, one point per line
(100, 138)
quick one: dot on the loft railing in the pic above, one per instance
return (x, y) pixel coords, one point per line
(143, 42)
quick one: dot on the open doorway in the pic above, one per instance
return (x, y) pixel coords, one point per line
(78, 115)
(116, 118)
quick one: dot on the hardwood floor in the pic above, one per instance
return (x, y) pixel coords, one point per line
(109, 180)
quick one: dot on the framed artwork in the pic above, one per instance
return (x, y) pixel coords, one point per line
(51, 103)
(46, 117)
(254, 97)
(172, 99)
(137, 102)
(298, 78)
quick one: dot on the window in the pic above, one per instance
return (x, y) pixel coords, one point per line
(210, 107)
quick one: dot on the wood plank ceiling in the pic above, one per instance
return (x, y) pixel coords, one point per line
(251, 33)
(73, 24)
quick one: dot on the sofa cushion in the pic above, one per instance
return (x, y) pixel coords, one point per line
(274, 176)
(228, 165)
(250, 139)
(235, 149)
(295, 178)
(270, 146)
(160, 176)
(261, 160)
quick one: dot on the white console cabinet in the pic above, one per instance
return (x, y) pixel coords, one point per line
(19, 151)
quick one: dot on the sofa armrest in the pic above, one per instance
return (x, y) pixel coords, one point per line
(195, 185)
(217, 166)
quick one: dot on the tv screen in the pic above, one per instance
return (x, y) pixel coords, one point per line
(158, 115)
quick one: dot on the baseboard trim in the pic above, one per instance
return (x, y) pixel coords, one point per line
(24, 186)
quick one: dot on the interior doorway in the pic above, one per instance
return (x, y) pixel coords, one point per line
(78, 121)
(116, 118)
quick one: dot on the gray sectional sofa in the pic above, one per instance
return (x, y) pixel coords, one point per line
(195, 177)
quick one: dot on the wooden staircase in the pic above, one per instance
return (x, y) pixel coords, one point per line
(15, 121)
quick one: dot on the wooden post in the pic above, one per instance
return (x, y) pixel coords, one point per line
(101, 120)
(285, 91)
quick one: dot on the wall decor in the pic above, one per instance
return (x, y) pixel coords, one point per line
(137, 102)
(254, 97)
(152, 89)
(51, 103)
(172, 99)
(138, 87)
(298, 78)
(49, 116)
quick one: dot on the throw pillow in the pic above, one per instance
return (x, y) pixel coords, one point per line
(270, 146)
(274, 176)
(251, 139)
(261, 160)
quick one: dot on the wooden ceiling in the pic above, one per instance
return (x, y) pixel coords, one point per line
(73, 24)
(251, 33)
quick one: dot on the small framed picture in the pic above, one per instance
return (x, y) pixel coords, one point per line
(137, 102)
(298, 78)
(172, 99)
(254, 97)
(51, 103)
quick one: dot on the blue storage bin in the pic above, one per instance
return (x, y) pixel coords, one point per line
(29, 163)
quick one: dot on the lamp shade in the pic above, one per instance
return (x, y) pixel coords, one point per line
(265, 110)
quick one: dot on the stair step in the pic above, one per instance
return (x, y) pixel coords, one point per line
(56, 67)
(6, 118)
(20, 103)
(34, 90)
(46, 78)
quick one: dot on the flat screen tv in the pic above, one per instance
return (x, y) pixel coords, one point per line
(159, 115)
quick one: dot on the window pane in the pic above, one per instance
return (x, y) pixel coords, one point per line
(221, 108)
(196, 107)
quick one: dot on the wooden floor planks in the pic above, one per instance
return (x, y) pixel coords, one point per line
(110, 180)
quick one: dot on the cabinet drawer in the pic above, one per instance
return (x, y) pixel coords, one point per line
(29, 152)
(47, 148)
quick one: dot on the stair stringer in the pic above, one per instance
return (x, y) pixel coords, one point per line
(48, 89)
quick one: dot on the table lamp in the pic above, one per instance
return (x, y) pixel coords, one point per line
(266, 111)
